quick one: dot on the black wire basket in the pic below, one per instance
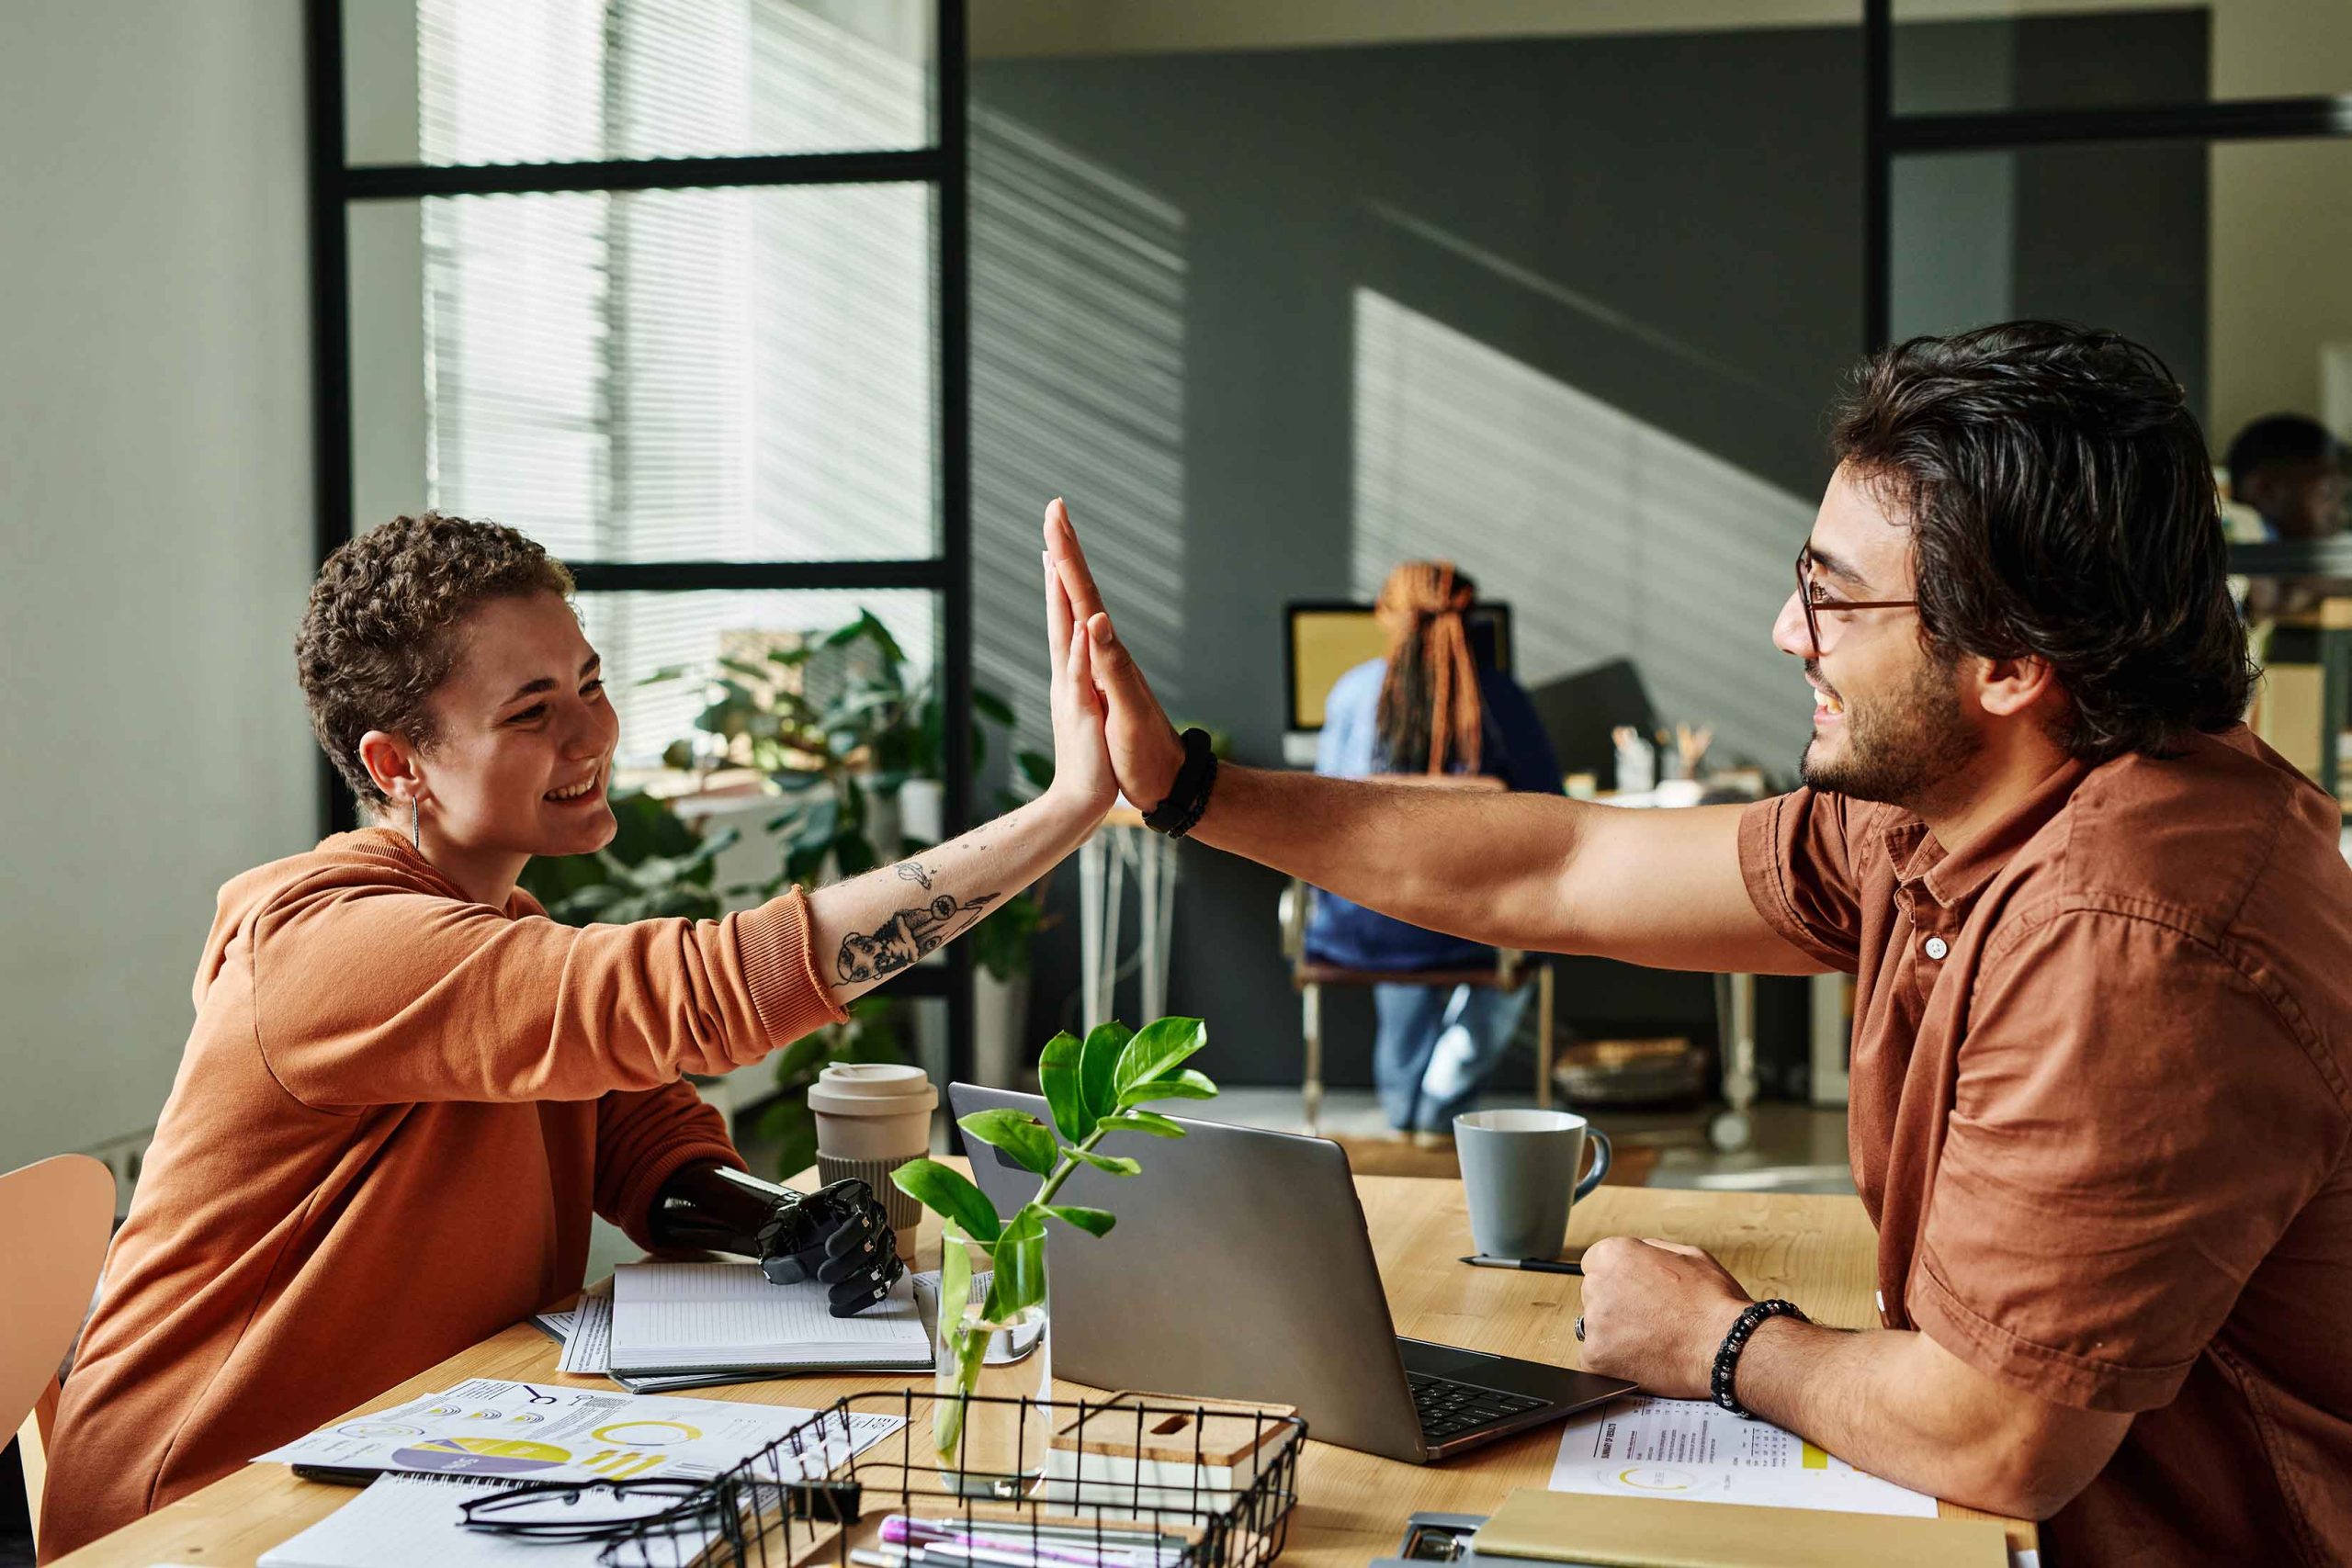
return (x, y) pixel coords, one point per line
(1131, 1481)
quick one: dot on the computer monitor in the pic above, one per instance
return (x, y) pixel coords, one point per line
(1325, 638)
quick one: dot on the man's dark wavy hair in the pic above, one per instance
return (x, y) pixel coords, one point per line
(2061, 505)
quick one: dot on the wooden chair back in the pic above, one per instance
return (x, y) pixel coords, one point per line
(56, 1218)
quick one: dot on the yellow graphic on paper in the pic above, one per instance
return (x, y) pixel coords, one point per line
(1652, 1478)
(622, 1463)
(1814, 1459)
(647, 1434)
(499, 1448)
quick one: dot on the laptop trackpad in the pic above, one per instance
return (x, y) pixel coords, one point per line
(1452, 1361)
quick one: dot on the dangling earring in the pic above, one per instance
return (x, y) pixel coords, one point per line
(415, 833)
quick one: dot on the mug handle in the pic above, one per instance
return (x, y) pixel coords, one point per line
(1600, 1141)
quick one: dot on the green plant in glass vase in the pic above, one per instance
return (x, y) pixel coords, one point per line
(1095, 1088)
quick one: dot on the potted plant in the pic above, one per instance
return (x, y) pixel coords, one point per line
(990, 1423)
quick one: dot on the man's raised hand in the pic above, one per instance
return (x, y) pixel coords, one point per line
(1145, 750)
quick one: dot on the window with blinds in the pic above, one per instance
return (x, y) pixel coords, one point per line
(731, 374)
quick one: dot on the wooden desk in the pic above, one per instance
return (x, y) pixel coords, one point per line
(1816, 1251)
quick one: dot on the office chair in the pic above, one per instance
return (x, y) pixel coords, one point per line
(1511, 970)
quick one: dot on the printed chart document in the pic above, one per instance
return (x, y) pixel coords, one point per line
(527, 1432)
(690, 1317)
(1691, 1448)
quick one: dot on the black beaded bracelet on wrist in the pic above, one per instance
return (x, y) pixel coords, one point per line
(1188, 796)
(1727, 1359)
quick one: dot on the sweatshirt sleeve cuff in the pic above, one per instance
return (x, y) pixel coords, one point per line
(779, 967)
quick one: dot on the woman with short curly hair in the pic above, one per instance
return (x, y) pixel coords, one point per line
(407, 1089)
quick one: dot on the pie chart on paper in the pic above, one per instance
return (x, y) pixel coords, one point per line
(481, 1456)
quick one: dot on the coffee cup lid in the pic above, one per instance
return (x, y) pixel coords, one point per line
(872, 1088)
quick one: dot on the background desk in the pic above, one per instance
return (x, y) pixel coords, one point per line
(1818, 1251)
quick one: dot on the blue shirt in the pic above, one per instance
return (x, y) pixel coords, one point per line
(1512, 748)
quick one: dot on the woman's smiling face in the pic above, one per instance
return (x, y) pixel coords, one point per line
(524, 748)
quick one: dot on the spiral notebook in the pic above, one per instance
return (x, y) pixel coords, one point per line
(701, 1317)
(401, 1520)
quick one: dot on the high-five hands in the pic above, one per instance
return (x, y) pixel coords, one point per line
(1081, 763)
(1144, 748)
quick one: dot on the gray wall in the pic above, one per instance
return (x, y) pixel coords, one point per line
(1568, 310)
(155, 508)
(1232, 305)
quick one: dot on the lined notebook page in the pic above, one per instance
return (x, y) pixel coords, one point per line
(681, 1315)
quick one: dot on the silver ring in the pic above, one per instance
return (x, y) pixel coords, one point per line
(1579, 1328)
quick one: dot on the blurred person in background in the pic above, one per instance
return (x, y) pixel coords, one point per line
(2289, 470)
(1432, 710)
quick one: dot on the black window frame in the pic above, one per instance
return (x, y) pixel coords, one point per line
(1887, 136)
(336, 185)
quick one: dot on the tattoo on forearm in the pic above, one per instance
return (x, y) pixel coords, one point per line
(907, 936)
(912, 871)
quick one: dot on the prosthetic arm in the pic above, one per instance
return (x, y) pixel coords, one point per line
(838, 1236)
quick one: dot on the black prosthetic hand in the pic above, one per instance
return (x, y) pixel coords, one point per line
(838, 1236)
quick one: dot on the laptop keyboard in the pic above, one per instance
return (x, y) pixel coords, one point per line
(1448, 1409)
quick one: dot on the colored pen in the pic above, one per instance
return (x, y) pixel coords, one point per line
(1047, 1545)
(950, 1527)
(1533, 1265)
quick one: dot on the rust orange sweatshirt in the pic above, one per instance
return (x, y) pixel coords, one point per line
(390, 1124)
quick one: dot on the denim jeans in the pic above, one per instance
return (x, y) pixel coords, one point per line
(1435, 1046)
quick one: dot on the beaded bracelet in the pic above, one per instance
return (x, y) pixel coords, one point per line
(1727, 1359)
(1188, 794)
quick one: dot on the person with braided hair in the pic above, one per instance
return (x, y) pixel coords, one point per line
(1430, 710)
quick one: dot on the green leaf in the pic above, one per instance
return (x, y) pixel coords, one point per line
(1093, 1222)
(1098, 1064)
(1019, 1257)
(949, 1194)
(987, 704)
(1157, 1049)
(1185, 1085)
(1037, 768)
(1117, 1165)
(1018, 1134)
(1143, 1121)
(1058, 1077)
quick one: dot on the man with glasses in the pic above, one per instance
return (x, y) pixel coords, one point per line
(2102, 1051)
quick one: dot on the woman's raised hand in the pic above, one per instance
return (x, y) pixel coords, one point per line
(1082, 773)
(1144, 750)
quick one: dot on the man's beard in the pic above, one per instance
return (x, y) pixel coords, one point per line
(1902, 749)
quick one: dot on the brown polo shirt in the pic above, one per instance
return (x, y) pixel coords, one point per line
(2102, 1099)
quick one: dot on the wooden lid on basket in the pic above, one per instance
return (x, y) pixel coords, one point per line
(1175, 1428)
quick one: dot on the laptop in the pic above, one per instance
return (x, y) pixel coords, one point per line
(1241, 1268)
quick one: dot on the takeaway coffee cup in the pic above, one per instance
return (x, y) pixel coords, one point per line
(872, 1118)
(1519, 1176)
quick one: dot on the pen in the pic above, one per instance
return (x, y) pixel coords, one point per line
(1533, 1265)
(897, 1524)
(950, 1540)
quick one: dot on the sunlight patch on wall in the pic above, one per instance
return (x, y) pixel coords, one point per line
(1608, 537)
(1078, 390)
